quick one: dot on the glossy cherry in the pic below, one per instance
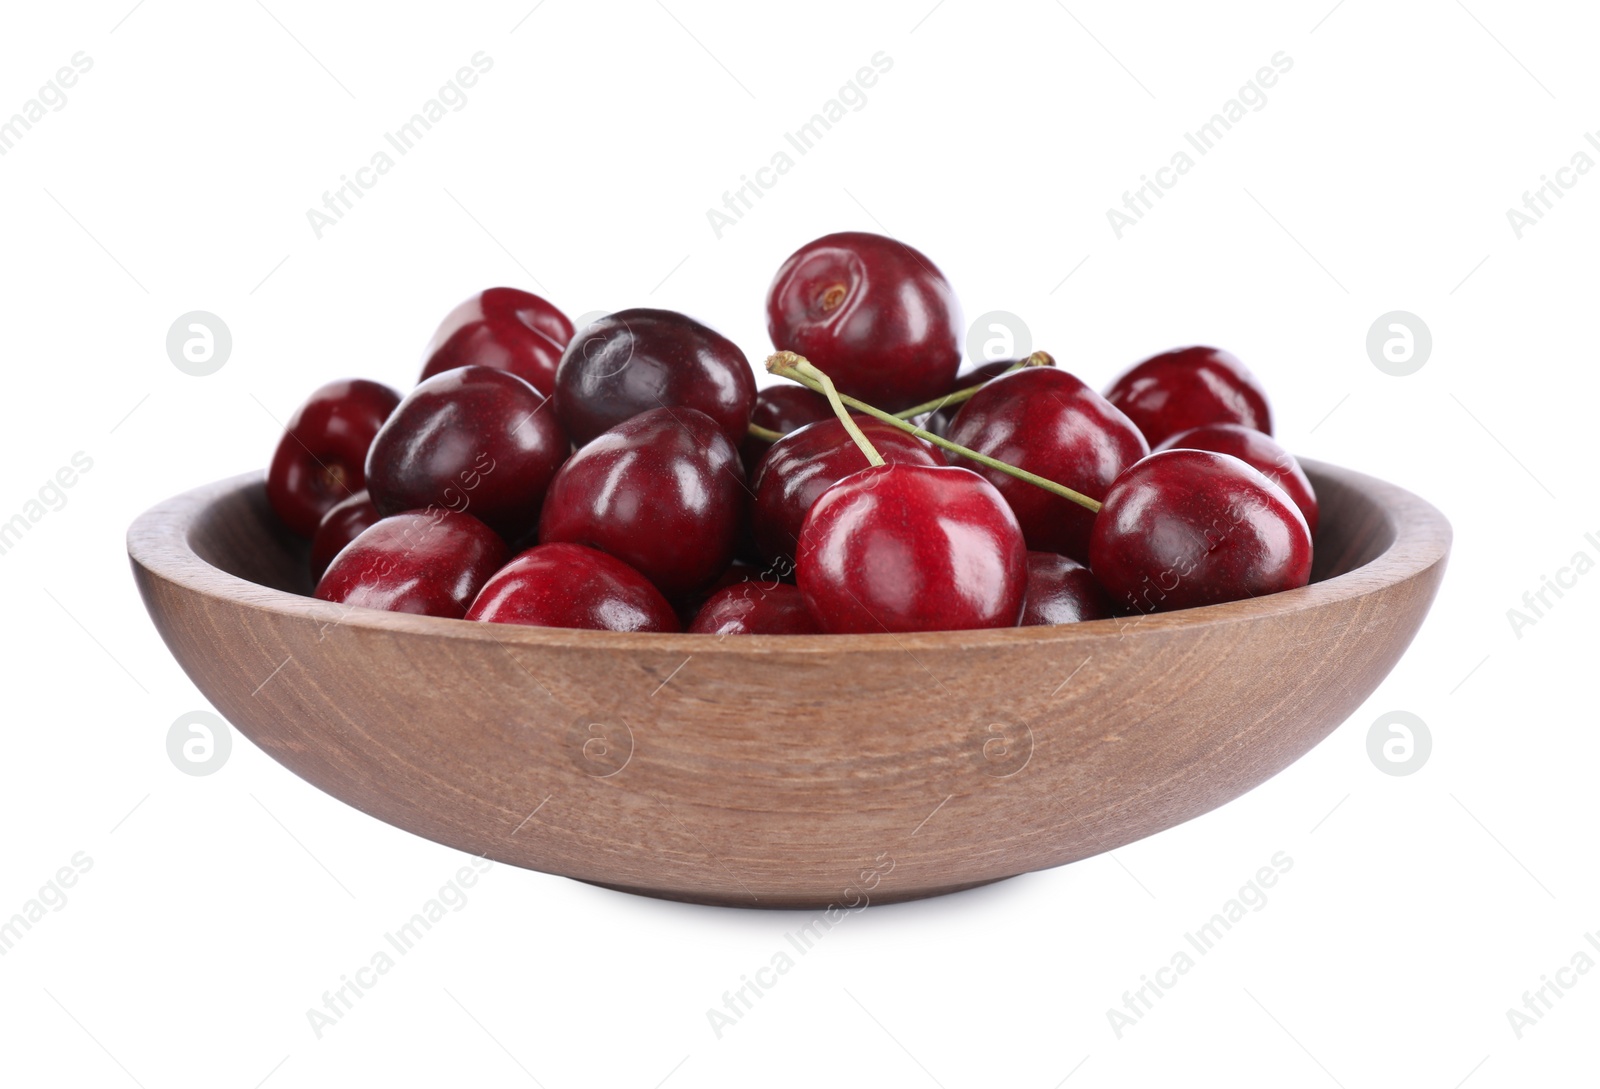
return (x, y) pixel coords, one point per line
(663, 492)
(634, 361)
(1046, 421)
(322, 456)
(572, 586)
(1258, 450)
(1186, 388)
(1062, 591)
(755, 608)
(1190, 527)
(873, 313)
(342, 524)
(473, 439)
(432, 562)
(782, 409)
(900, 548)
(805, 463)
(503, 328)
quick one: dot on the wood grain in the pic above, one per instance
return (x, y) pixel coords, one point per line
(784, 772)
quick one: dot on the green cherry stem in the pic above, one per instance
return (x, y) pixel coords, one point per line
(765, 434)
(795, 367)
(961, 396)
(820, 382)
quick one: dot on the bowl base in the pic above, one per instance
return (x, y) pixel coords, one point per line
(794, 903)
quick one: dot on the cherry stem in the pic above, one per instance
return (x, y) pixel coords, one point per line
(765, 434)
(796, 367)
(961, 396)
(820, 382)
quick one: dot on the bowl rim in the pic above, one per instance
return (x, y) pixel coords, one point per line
(159, 542)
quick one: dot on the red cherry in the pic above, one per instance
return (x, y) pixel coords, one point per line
(902, 548)
(343, 523)
(805, 463)
(1189, 387)
(871, 312)
(637, 360)
(735, 574)
(1062, 591)
(663, 492)
(1189, 527)
(503, 328)
(570, 586)
(473, 439)
(320, 459)
(432, 562)
(939, 422)
(1046, 421)
(751, 608)
(782, 409)
(1259, 451)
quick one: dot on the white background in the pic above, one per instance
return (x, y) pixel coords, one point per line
(1376, 177)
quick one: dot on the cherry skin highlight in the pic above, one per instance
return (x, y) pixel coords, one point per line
(1185, 528)
(432, 562)
(1261, 452)
(1062, 591)
(805, 463)
(902, 548)
(1046, 421)
(322, 456)
(873, 313)
(342, 524)
(1186, 388)
(663, 492)
(751, 608)
(473, 439)
(634, 361)
(572, 586)
(503, 328)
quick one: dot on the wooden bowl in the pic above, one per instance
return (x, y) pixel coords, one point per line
(784, 771)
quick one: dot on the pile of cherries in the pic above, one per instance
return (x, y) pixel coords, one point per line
(631, 477)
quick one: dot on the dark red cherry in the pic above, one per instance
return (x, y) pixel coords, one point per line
(473, 439)
(432, 562)
(1046, 421)
(1177, 390)
(1259, 451)
(873, 313)
(1062, 591)
(663, 492)
(902, 548)
(754, 608)
(1189, 527)
(570, 586)
(939, 422)
(637, 360)
(735, 574)
(503, 328)
(782, 409)
(322, 456)
(805, 463)
(342, 524)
